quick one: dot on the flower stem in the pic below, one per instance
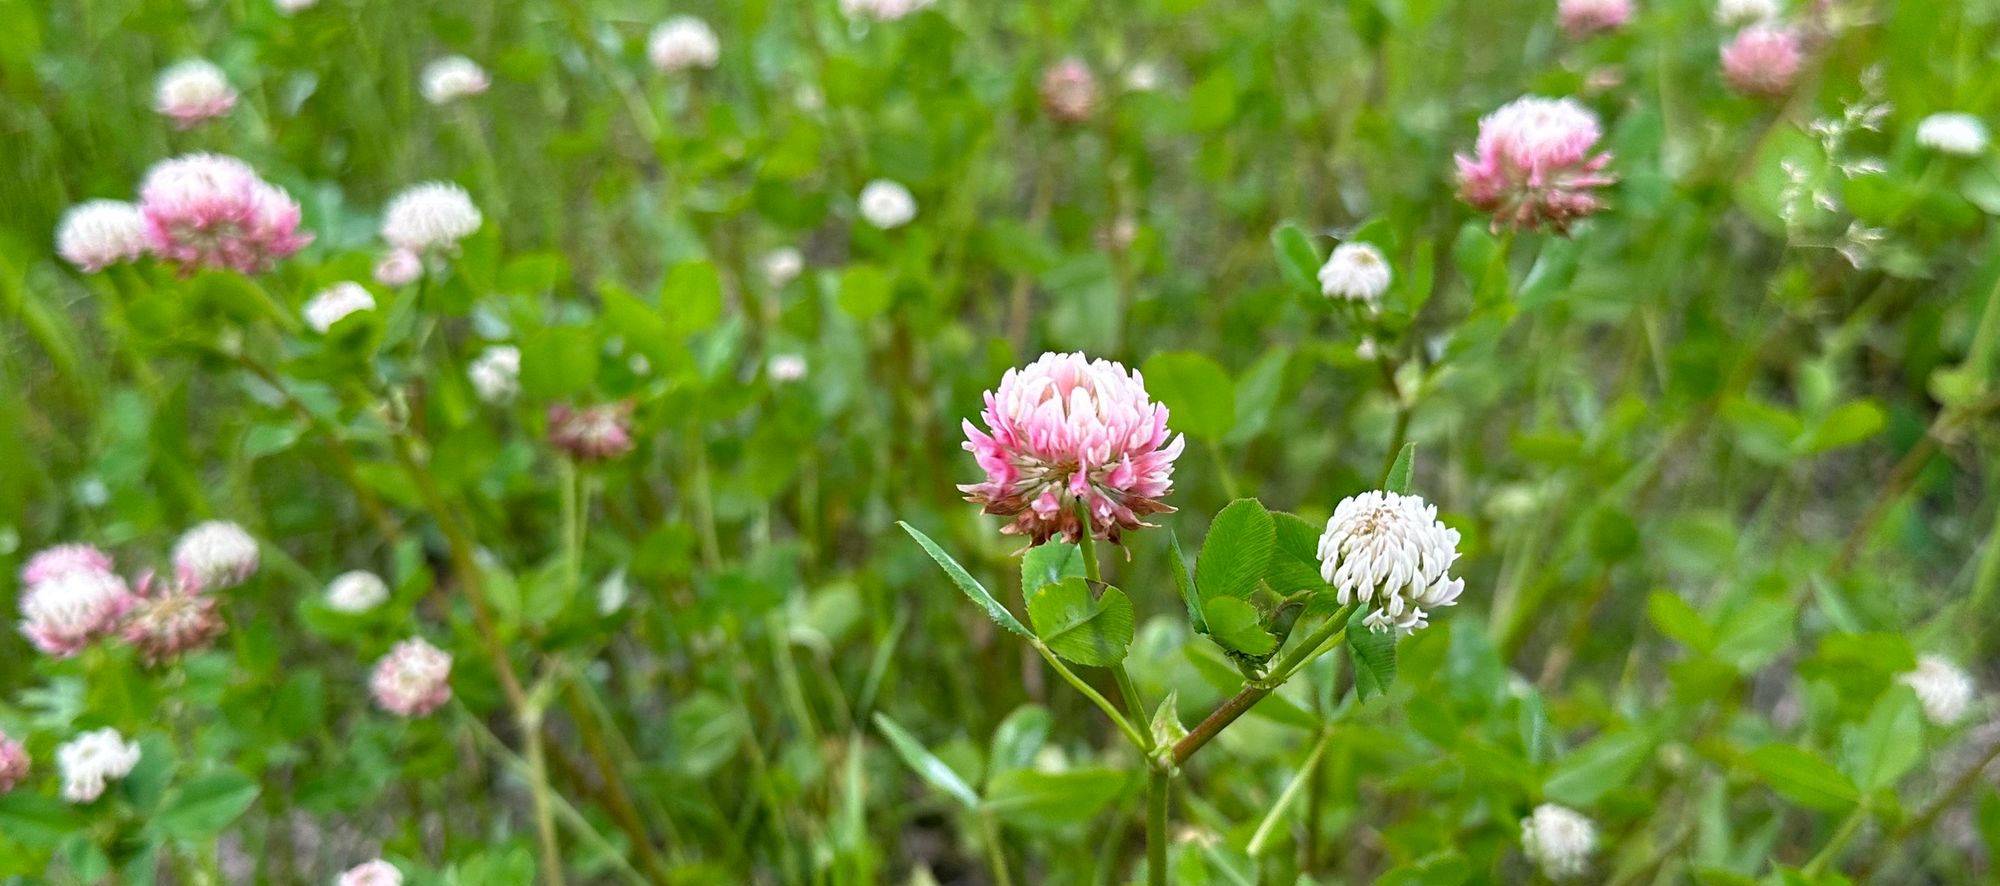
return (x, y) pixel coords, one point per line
(1835, 843)
(1096, 697)
(1262, 835)
(996, 853)
(1325, 636)
(1134, 706)
(1158, 786)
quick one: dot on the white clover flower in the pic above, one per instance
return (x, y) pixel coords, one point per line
(97, 233)
(399, 267)
(1944, 689)
(683, 42)
(93, 758)
(1953, 133)
(294, 7)
(881, 10)
(432, 215)
(787, 367)
(1745, 12)
(1356, 272)
(886, 204)
(193, 91)
(215, 554)
(336, 302)
(782, 266)
(1144, 77)
(496, 373)
(372, 873)
(1392, 546)
(1559, 840)
(451, 78)
(355, 592)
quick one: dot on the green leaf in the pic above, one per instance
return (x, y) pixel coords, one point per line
(1882, 749)
(1593, 770)
(1087, 631)
(926, 764)
(1212, 101)
(1676, 619)
(1167, 727)
(1178, 567)
(1036, 800)
(1847, 425)
(1237, 552)
(1398, 478)
(35, 821)
(1258, 390)
(1374, 656)
(558, 362)
(1200, 398)
(204, 807)
(1048, 563)
(1298, 261)
(690, 298)
(1238, 626)
(1294, 562)
(864, 291)
(1019, 738)
(971, 586)
(1803, 778)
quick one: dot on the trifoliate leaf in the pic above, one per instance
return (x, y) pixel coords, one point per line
(1087, 631)
(1237, 552)
(1238, 627)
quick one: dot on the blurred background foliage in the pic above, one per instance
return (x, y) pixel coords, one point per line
(1723, 465)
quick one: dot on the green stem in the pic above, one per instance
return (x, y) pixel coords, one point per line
(1135, 707)
(1835, 843)
(1222, 471)
(1158, 787)
(1262, 835)
(1325, 636)
(996, 853)
(1132, 734)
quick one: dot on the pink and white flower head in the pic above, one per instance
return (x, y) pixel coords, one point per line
(681, 43)
(591, 433)
(1069, 91)
(1762, 60)
(294, 7)
(787, 368)
(1582, 18)
(192, 92)
(496, 373)
(215, 554)
(51, 562)
(333, 304)
(211, 211)
(413, 680)
(1065, 429)
(91, 760)
(1386, 547)
(432, 215)
(14, 763)
(98, 233)
(170, 620)
(399, 267)
(1534, 165)
(64, 613)
(881, 10)
(373, 873)
(451, 78)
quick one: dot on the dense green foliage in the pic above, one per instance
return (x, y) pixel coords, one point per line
(1722, 460)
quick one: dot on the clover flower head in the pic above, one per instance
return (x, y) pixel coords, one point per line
(193, 91)
(786, 368)
(1069, 91)
(336, 302)
(1533, 166)
(14, 763)
(592, 433)
(413, 680)
(91, 760)
(1356, 272)
(170, 619)
(62, 614)
(451, 78)
(1944, 689)
(371, 873)
(1953, 132)
(215, 554)
(63, 559)
(212, 211)
(881, 10)
(1390, 550)
(887, 204)
(1067, 429)
(1762, 60)
(399, 267)
(432, 215)
(782, 266)
(96, 234)
(682, 43)
(356, 591)
(496, 373)
(1560, 840)
(1582, 18)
